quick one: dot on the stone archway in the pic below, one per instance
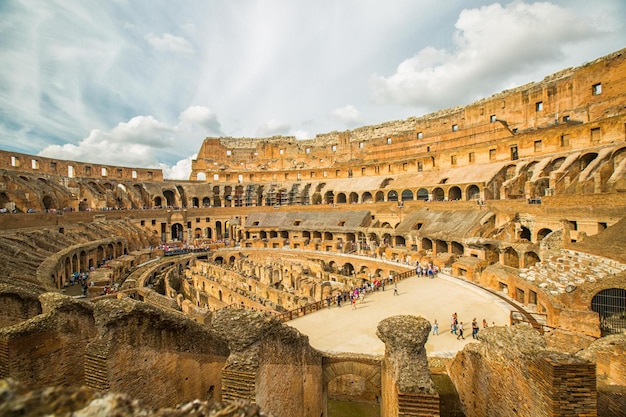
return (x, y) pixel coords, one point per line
(351, 379)
(610, 304)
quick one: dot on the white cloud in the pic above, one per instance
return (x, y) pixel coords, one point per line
(273, 128)
(348, 115)
(169, 42)
(180, 170)
(203, 117)
(492, 45)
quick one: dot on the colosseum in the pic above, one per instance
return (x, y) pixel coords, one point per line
(116, 280)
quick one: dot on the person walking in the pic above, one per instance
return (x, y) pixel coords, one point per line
(475, 329)
(395, 289)
(459, 330)
(436, 328)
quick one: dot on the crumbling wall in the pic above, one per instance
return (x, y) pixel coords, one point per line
(270, 364)
(510, 373)
(48, 349)
(159, 357)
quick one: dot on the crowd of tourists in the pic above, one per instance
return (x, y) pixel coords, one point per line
(458, 329)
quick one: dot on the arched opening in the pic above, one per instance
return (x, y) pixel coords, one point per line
(530, 258)
(354, 198)
(170, 198)
(380, 197)
(610, 304)
(329, 197)
(438, 194)
(454, 194)
(341, 198)
(511, 258)
(427, 244)
(442, 246)
(400, 241)
(392, 195)
(525, 234)
(177, 231)
(542, 233)
(407, 195)
(473, 193)
(48, 203)
(457, 248)
(422, 194)
(366, 197)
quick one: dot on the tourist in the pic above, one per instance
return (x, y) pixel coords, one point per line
(485, 325)
(328, 301)
(459, 329)
(354, 297)
(436, 328)
(453, 323)
(395, 288)
(475, 329)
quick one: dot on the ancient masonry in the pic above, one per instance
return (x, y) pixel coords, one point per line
(522, 193)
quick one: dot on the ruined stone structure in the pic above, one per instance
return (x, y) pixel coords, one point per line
(521, 193)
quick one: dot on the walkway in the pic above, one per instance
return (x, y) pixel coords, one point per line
(347, 330)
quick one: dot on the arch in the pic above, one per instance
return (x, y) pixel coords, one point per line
(329, 197)
(525, 234)
(542, 233)
(454, 194)
(407, 195)
(442, 246)
(366, 197)
(341, 198)
(177, 232)
(170, 198)
(438, 194)
(158, 202)
(472, 192)
(427, 244)
(316, 198)
(347, 269)
(457, 248)
(511, 258)
(392, 195)
(380, 197)
(195, 202)
(422, 194)
(367, 370)
(400, 241)
(586, 159)
(610, 304)
(48, 203)
(354, 198)
(531, 258)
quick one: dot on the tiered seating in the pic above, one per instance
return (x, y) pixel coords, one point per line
(570, 268)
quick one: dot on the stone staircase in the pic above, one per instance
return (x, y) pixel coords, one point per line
(418, 405)
(570, 268)
(238, 385)
(96, 369)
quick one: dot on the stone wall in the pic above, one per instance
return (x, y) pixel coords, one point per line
(510, 373)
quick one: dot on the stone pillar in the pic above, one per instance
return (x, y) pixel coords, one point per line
(406, 385)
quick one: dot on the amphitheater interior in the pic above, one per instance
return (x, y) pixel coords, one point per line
(118, 285)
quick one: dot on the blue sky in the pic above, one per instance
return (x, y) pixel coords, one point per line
(142, 83)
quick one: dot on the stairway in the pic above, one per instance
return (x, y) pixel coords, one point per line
(418, 405)
(96, 369)
(238, 385)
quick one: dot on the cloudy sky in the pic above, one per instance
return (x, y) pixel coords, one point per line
(142, 83)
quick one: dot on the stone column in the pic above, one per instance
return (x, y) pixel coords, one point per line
(407, 388)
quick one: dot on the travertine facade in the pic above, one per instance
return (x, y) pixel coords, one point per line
(521, 193)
